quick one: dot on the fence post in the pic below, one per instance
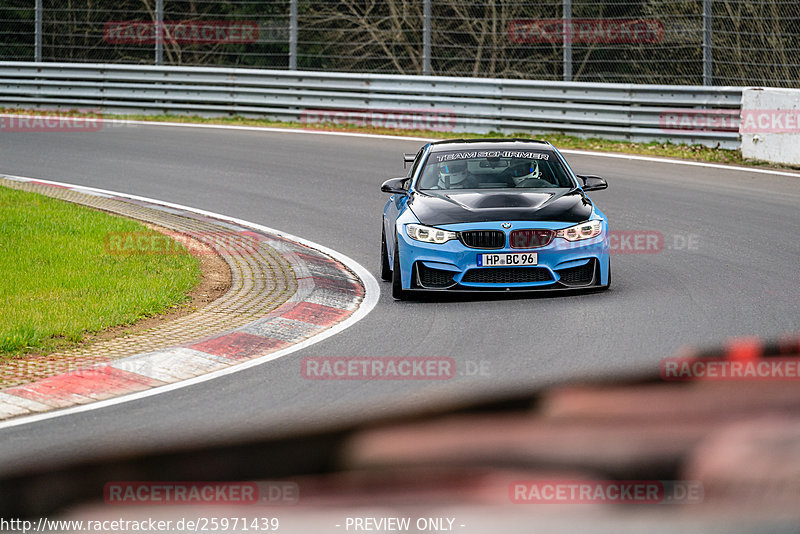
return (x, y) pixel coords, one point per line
(159, 59)
(707, 58)
(293, 35)
(37, 46)
(426, 37)
(566, 16)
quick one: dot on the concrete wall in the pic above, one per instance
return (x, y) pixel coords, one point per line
(770, 124)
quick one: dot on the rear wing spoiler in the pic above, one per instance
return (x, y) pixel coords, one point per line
(408, 158)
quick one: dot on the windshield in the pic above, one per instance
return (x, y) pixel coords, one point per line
(496, 169)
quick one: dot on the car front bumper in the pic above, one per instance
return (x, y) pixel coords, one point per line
(454, 266)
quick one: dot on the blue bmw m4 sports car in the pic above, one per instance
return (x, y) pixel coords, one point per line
(493, 215)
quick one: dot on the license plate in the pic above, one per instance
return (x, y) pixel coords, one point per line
(513, 259)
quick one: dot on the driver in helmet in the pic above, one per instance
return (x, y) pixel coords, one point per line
(528, 176)
(454, 175)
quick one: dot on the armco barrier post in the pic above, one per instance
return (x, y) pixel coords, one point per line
(38, 32)
(293, 35)
(707, 51)
(426, 38)
(566, 30)
(159, 58)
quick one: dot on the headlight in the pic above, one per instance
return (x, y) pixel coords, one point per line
(429, 234)
(584, 230)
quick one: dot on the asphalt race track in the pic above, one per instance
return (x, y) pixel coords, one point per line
(729, 267)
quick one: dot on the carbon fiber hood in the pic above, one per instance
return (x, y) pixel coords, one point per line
(452, 207)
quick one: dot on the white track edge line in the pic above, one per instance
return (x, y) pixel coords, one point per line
(371, 295)
(409, 138)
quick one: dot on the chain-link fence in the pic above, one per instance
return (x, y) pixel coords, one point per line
(719, 42)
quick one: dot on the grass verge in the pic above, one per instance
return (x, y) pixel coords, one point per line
(669, 150)
(59, 282)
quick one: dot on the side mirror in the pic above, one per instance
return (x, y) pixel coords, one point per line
(394, 186)
(592, 183)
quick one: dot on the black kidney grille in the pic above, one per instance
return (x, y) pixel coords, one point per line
(483, 238)
(531, 238)
(507, 275)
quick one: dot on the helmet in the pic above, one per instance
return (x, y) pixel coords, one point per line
(452, 174)
(527, 172)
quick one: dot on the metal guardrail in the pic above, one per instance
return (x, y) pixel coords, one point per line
(637, 113)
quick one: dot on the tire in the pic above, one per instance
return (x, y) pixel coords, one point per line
(386, 269)
(398, 293)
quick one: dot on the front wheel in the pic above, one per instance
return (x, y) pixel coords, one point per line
(397, 285)
(386, 270)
